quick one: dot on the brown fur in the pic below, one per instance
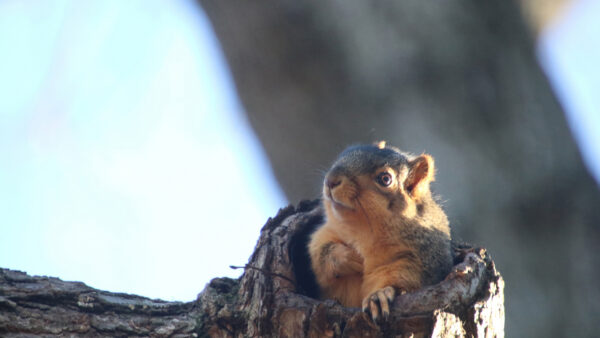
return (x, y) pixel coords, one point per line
(378, 236)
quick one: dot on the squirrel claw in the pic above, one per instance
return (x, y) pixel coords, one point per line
(378, 303)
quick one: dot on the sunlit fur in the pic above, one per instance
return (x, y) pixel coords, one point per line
(376, 236)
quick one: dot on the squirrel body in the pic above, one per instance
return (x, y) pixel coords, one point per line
(384, 232)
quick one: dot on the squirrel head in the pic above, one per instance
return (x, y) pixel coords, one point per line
(377, 183)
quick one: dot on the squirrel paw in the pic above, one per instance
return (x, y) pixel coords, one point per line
(378, 302)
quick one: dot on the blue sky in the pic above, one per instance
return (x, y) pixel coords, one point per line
(569, 51)
(125, 159)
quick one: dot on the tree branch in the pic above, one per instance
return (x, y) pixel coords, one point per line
(271, 298)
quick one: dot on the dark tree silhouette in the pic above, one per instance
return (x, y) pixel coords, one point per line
(456, 79)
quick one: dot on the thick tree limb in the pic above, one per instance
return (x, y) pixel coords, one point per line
(48, 306)
(266, 301)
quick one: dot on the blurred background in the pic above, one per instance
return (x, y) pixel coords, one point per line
(143, 144)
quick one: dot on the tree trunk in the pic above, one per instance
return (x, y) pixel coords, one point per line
(271, 299)
(456, 79)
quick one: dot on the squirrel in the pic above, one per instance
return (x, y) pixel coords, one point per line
(384, 231)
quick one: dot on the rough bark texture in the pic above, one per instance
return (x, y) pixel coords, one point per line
(268, 300)
(456, 79)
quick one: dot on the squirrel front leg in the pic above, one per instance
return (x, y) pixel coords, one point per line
(337, 266)
(381, 285)
(331, 258)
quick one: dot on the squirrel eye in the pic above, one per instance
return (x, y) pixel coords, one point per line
(384, 179)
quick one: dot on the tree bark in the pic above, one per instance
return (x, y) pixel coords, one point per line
(272, 298)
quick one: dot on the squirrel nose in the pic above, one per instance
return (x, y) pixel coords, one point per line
(333, 182)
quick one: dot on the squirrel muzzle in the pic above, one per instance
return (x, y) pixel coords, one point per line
(340, 192)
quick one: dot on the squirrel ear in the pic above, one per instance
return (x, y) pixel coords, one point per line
(420, 173)
(380, 144)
